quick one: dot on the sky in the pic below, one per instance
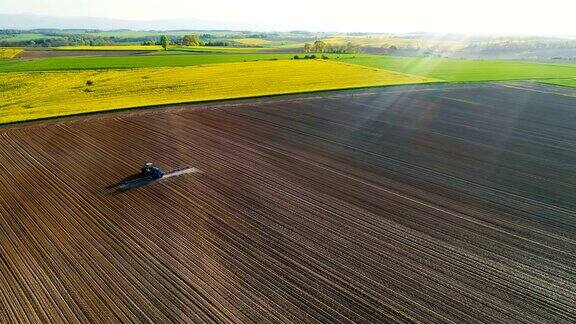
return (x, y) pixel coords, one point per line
(553, 17)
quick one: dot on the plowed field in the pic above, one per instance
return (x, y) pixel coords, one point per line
(425, 204)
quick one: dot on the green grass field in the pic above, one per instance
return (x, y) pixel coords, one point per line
(562, 82)
(216, 49)
(117, 62)
(112, 48)
(459, 70)
(158, 48)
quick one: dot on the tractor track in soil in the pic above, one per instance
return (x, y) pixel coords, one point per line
(448, 204)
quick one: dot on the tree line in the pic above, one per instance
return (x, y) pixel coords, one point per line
(54, 38)
(523, 45)
(65, 40)
(320, 46)
(186, 40)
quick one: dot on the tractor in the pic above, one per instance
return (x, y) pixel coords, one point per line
(149, 170)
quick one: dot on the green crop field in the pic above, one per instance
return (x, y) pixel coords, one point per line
(216, 49)
(562, 82)
(459, 70)
(112, 48)
(116, 62)
(158, 48)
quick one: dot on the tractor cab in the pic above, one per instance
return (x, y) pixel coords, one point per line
(149, 170)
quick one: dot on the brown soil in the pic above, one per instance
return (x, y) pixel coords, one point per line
(444, 204)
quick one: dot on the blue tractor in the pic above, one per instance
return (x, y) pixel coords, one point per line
(149, 170)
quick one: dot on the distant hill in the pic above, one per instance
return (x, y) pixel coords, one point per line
(30, 21)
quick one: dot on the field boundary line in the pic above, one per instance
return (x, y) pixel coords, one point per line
(216, 101)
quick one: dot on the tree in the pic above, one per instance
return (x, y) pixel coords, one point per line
(319, 46)
(164, 42)
(352, 48)
(307, 48)
(191, 40)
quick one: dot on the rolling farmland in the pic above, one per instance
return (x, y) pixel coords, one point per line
(428, 203)
(112, 48)
(217, 49)
(451, 70)
(251, 41)
(161, 59)
(377, 41)
(33, 95)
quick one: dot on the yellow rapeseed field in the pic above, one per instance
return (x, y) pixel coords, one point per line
(9, 52)
(32, 95)
(252, 41)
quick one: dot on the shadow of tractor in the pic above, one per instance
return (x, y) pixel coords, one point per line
(130, 182)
